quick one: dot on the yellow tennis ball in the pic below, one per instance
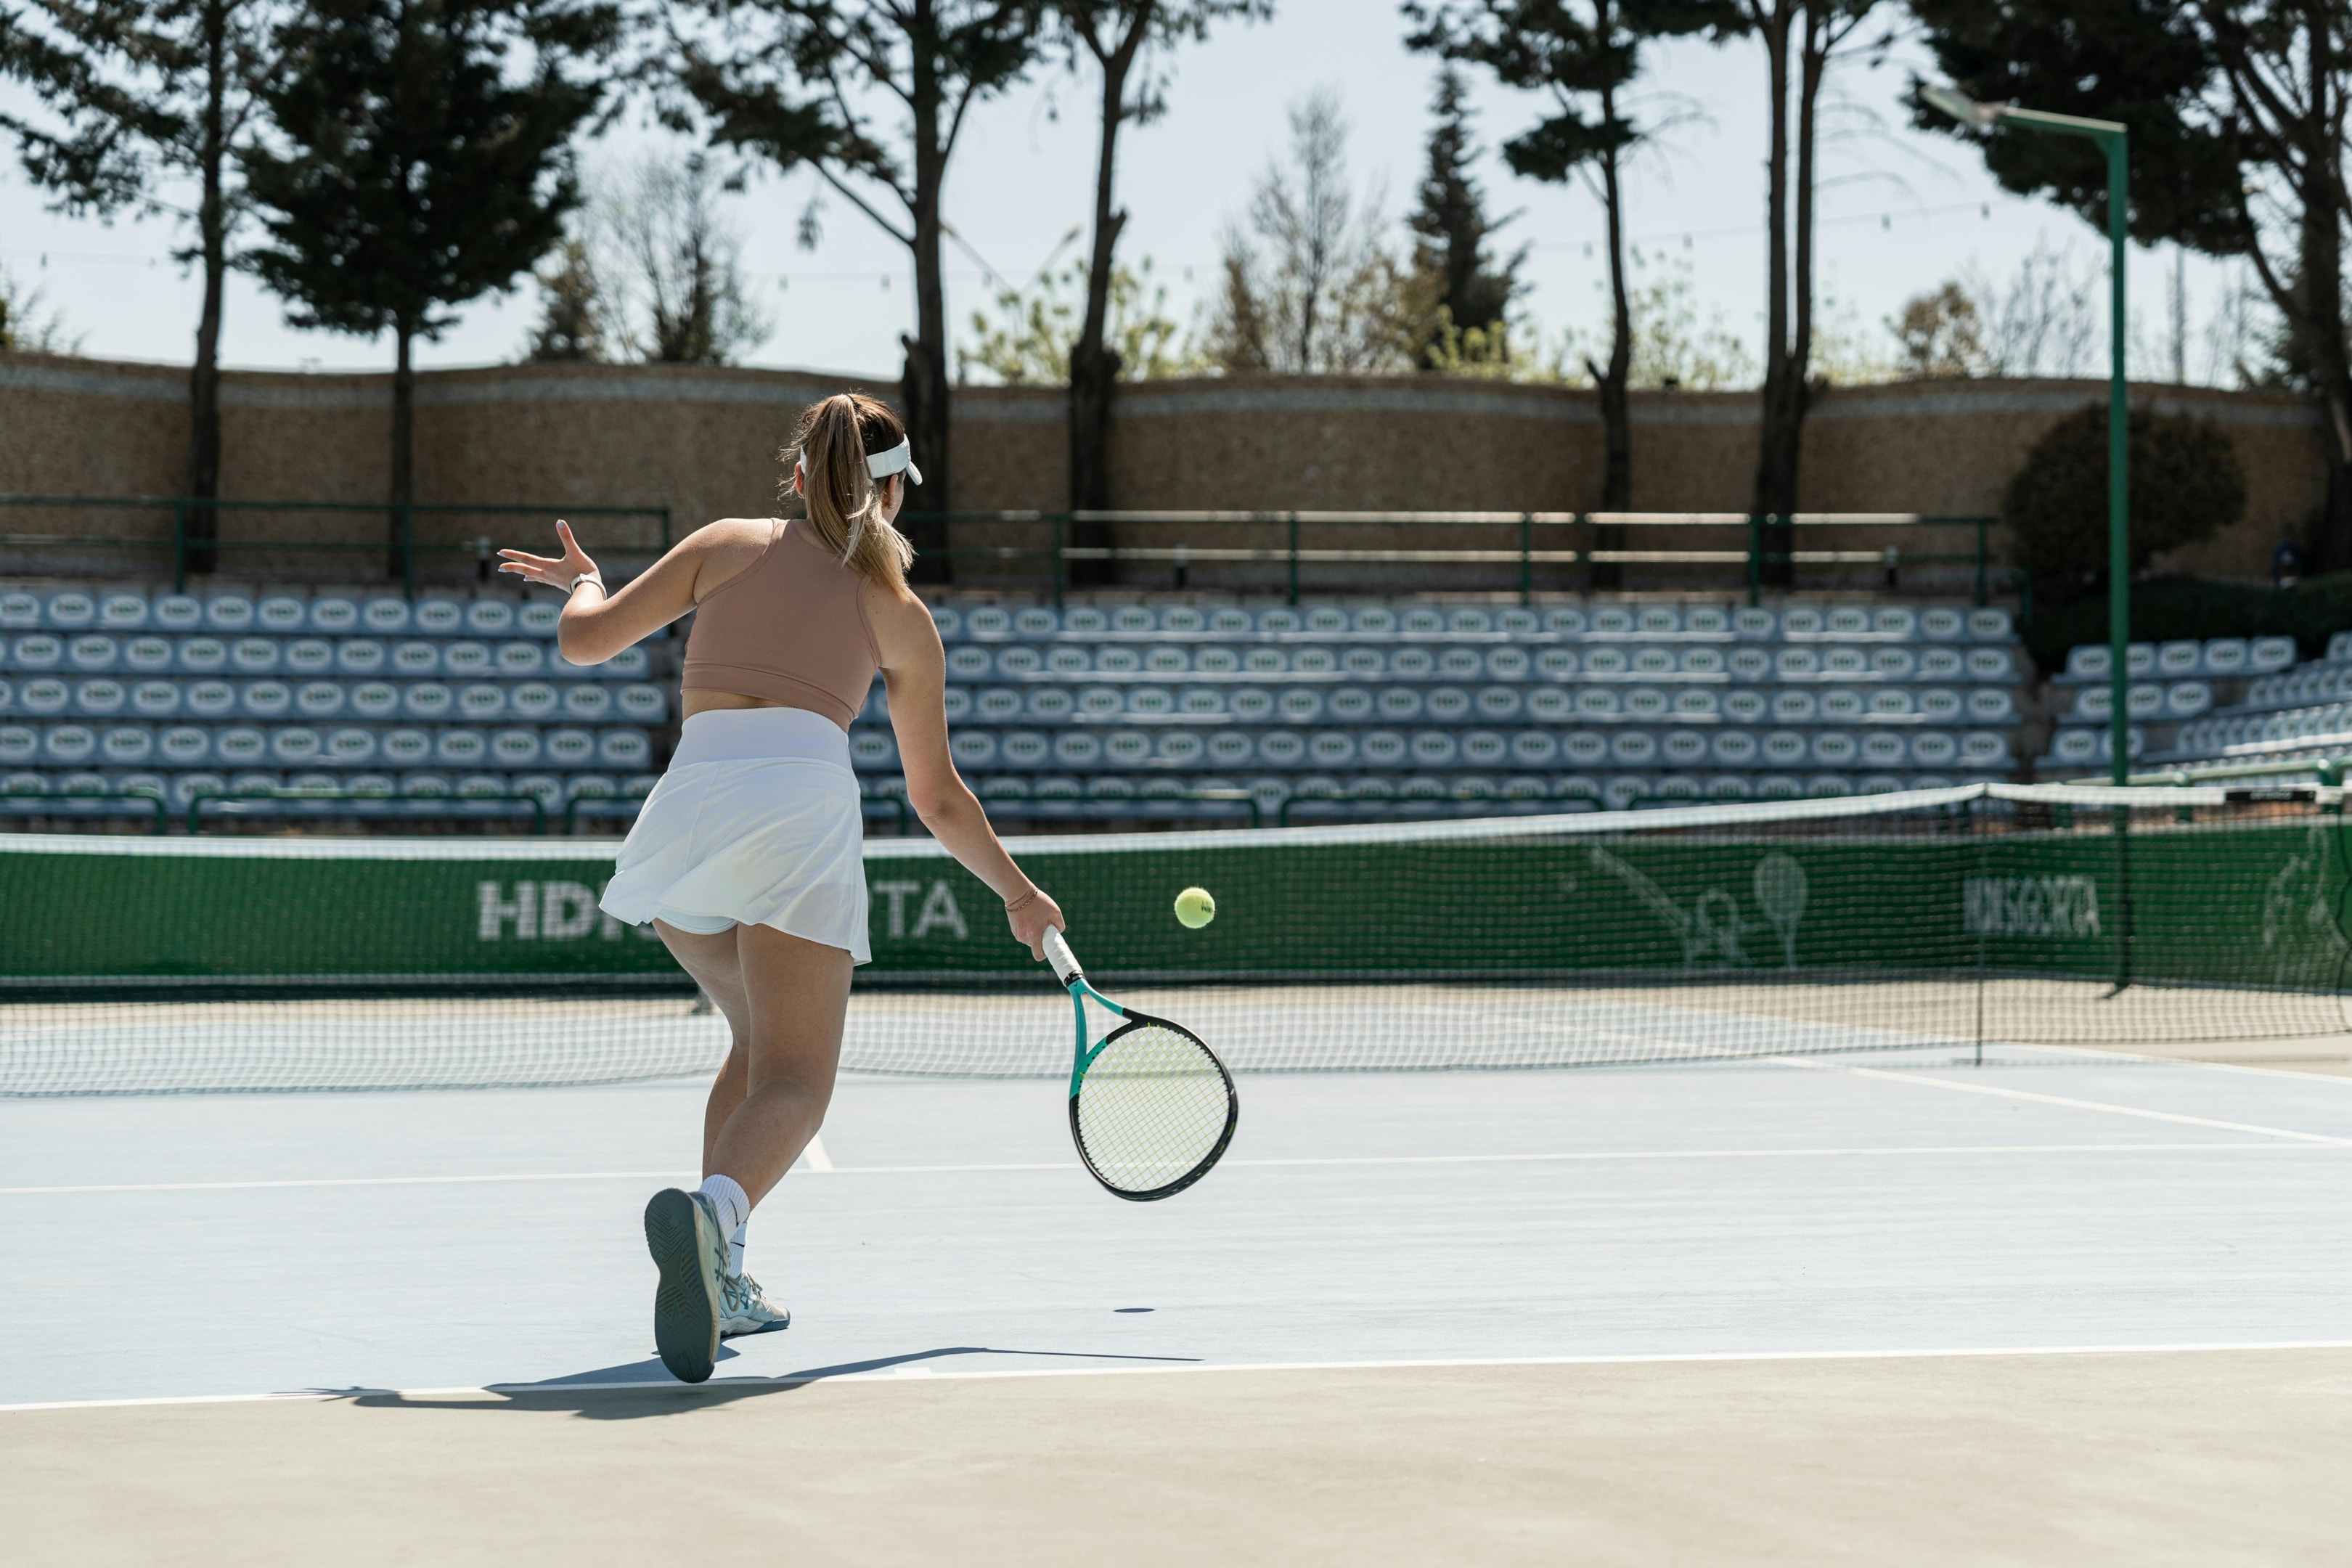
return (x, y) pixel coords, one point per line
(1195, 909)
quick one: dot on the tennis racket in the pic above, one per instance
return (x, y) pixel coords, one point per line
(1152, 1107)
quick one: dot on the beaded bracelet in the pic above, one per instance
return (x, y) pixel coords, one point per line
(1012, 906)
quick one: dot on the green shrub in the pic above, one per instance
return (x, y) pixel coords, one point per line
(2166, 607)
(2185, 485)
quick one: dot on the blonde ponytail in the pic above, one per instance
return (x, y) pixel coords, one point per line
(845, 503)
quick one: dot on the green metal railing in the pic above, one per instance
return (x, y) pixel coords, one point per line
(572, 807)
(1511, 542)
(1076, 805)
(1063, 807)
(2331, 772)
(403, 547)
(385, 804)
(69, 798)
(1473, 797)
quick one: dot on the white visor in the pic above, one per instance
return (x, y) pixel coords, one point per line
(899, 458)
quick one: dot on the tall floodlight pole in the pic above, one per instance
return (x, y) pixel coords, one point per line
(2110, 136)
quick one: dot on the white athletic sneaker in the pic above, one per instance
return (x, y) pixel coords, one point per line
(744, 1308)
(683, 1234)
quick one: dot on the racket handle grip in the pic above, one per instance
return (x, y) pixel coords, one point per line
(1058, 955)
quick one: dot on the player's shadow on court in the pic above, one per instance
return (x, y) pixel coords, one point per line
(638, 1389)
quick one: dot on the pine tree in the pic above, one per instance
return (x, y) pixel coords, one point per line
(425, 162)
(572, 309)
(1464, 290)
(25, 327)
(1579, 60)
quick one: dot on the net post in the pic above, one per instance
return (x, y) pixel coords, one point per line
(2122, 820)
(1292, 518)
(407, 550)
(1755, 559)
(1967, 815)
(1527, 559)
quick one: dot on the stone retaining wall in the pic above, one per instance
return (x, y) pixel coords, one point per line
(702, 441)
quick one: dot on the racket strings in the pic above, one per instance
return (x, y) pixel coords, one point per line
(1152, 1105)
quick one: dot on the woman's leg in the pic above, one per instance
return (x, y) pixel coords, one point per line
(784, 999)
(713, 963)
(796, 994)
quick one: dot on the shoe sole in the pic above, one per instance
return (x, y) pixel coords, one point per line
(685, 1311)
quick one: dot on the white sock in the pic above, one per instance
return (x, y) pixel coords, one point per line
(727, 1201)
(735, 1250)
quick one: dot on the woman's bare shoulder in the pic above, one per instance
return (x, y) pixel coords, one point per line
(723, 550)
(734, 533)
(902, 621)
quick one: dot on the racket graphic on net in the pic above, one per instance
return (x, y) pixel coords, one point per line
(1152, 1107)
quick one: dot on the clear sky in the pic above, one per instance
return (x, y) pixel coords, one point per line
(1902, 211)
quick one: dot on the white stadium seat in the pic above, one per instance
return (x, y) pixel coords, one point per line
(228, 613)
(438, 618)
(123, 612)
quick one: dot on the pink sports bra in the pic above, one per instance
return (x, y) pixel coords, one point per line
(790, 629)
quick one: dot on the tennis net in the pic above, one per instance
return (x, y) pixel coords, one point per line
(1986, 913)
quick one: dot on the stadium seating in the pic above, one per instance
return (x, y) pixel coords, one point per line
(2227, 699)
(1111, 711)
(236, 690)
(1123, 710)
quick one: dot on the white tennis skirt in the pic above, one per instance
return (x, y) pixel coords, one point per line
(757, 822)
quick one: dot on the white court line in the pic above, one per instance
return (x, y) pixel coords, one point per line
(818, 1159)
(1861, 1150)
(2145, 1115)
(353, 1181)
(2101, 1053)
(925, 1372)
(1864, 1149)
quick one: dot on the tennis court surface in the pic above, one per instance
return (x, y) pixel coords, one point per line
(428, 1260)
(1801, 1262)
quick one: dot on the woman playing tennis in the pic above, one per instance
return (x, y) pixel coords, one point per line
(746, 857)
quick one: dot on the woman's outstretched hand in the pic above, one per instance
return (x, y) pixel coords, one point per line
(556, 572)
(1033, 919)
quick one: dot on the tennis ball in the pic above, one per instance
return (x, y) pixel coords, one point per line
(1195, 909)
